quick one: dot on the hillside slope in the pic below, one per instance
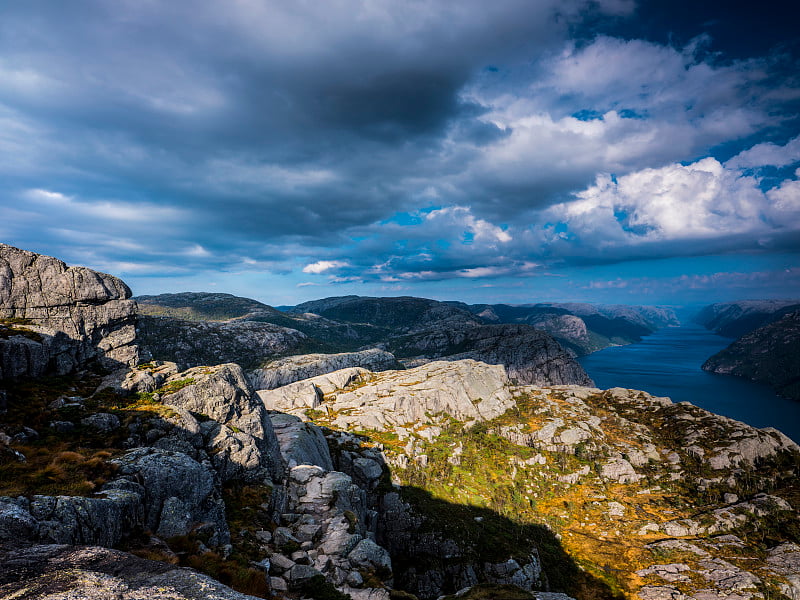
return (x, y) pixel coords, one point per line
(416, 330)
(734, 319)
(769, 354)
(583, 328)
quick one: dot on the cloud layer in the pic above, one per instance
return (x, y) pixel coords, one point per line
(344, 142)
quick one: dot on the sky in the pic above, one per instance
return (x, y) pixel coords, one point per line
(507, 151)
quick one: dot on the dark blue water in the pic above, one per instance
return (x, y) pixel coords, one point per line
(667, 363)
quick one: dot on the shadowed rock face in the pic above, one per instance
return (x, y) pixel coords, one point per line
(74, 316)
(53, 572)
(530, 357)
(770, 354)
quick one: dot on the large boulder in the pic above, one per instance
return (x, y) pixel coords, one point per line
(72, 519)
(59, 318)
(310, 393)
(178, 492)
(301, 443)
(238, 431)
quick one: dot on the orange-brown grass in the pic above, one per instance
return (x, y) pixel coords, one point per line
(235, 574)
(55, 470)
(234, 571)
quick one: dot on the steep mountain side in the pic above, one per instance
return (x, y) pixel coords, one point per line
(652, 317)
(57, 319)
(583, 328)
(529, 356)
(734, 319)
(769, 354)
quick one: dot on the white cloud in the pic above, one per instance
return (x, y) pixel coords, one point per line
(197, 251)
(104, 210)
(767, 154)
(613, 106)
(461, 217)
(700, 200)
(786, 197)
(324, 265)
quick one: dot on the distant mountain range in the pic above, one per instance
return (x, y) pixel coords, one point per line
(414, 328)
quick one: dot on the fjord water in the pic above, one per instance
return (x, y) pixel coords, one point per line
(667, 363)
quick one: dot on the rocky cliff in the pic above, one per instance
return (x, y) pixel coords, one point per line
(528, 355)
(446, 478)
(57, 319)
(734, 319)
(582, 328)
(769, 354)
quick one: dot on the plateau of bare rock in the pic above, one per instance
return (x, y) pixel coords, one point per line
(56, 319)
(193, 343)
(632, 472)
(768, 354)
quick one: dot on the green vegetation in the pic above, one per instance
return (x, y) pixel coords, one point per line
(12, 321)
(55, 469)
(320, 589)
(174, 386)
(13, 327)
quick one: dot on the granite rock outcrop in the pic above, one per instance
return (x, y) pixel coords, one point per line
(58, 319)
(283, 371)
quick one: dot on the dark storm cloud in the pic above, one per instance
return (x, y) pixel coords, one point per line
(232, 108)
(379, 140)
